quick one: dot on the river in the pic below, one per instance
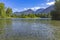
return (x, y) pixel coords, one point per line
(29, 29)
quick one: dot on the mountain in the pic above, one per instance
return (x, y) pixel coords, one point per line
(28, 11)
(41, 10)
(48, 10)
(25, 12)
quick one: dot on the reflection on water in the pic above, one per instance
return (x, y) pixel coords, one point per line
(29, 29)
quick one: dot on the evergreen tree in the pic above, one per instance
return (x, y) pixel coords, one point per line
(56, 13)
(9, 12)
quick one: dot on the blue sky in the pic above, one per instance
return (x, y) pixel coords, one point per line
(20, 5)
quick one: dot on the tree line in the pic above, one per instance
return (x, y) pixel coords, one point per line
(32, 15)
(5, 12)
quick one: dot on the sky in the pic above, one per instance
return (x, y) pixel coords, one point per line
(21, 5)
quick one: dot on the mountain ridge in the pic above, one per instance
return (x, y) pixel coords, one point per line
(41, 10)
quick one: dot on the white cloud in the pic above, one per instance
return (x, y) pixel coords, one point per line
(50, 3)
(34, 8)
(26, 8)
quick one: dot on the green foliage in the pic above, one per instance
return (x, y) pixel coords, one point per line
(49, 15)
(56, 13)
(8, 12)
(31, 15)
(4, 13)
(2, 10)
(13, 15)
(44, 15)
(57, 5)
(41, 15)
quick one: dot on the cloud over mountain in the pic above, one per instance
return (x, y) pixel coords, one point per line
(50, 3)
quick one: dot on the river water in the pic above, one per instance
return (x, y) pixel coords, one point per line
(29, 29)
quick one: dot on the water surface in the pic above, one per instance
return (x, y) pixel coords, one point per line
(29, 29)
